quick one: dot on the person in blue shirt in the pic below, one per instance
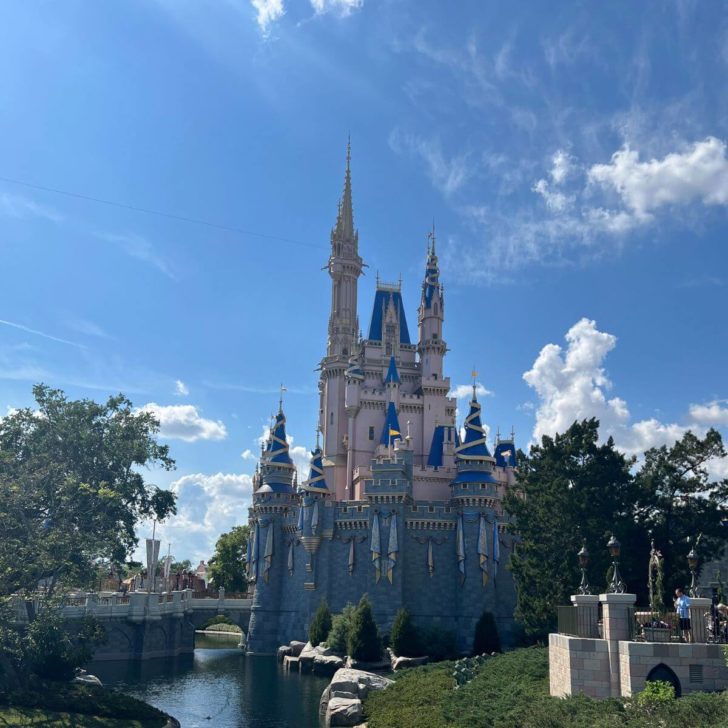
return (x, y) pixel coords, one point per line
(682, 607)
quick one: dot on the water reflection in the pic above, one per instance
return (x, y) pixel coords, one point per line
(221, 687)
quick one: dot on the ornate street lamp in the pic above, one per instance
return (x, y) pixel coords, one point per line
(583, 555)
(616, 585)
(693, 564)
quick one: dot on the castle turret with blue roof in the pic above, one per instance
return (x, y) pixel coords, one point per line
(398, 504)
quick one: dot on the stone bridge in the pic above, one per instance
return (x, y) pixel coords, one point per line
(141, 625)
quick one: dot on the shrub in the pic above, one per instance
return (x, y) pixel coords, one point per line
(486, 635)
(341, 624)
(320, 626)
(655, 694)
(52, 652)
(364, 642)
(217, 619)
(404, 638)
(439, 643)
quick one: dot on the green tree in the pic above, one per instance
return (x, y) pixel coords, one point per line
(404, 637)
(320, 625)
(184, 565)
(226, 568)
(571, 488)
(73, 488)
(364, 642)
(677, 502)
(341, 624)
(486, 639)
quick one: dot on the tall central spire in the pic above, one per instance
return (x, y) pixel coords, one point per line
(344, 229)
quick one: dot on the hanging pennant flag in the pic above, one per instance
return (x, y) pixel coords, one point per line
(430, 559)
(315, 518)
(376, 548)
(290, 558)
(351, 556)
(393, 547)
(483, 548)
(300, 517)
(496, 549)
(253, 569)
(268, 553)
(460, 548)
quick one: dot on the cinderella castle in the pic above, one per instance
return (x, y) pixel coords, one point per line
(398, 504)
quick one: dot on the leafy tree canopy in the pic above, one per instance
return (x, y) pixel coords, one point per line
(227, 565)
(72, 487)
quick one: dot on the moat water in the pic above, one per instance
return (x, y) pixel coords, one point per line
(220, 687)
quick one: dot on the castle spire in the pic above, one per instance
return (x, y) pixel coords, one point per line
(345, 219)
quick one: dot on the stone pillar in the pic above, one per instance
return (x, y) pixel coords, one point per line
(618, 625)
(137, 606)
(699, 607)
(587, 614)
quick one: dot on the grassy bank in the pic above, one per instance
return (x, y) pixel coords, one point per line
(55, 705)
(511, 691)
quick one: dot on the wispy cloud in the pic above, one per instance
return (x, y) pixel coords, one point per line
(140, 248)
(87, 328)
(22, 207)
(184, 422)
(447, 173)
(180, 388)
(252, 389)
(36, 332)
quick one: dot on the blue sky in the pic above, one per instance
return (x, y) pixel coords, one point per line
(572, 156)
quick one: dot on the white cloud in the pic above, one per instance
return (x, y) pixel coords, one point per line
(180, 388)
(267, 12)
(556, 201)
(465, 391)
(712, 414)
(140, 248)
(562, 166)
(184, 422)
(572, 384)
(343, 7)
(248, 455)
(207, 505)
(23, 207)
(698, 173)
(447, 174)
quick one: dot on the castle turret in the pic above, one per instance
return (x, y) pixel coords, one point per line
(473, 459)
(431, 347)
(276, 467)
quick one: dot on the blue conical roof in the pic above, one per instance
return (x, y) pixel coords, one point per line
(277, 449)
(392, 373)
(391, 424)
(316, 481)
(474, 446)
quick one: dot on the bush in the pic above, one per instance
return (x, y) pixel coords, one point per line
(404, 639)
(439, 644)
(364, 642)
(52, 652)
(320, 626)
(655, 694)
(224, 627)
(486, 635)
(338, 637)
(217, 619)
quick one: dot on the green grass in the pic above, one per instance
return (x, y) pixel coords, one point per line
(53, 719)
(511, 691)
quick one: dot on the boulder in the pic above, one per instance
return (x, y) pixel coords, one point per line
(310, 653)
(357, 682)
(296, 647)
(291, 663)
(384, 665)
(86, 679)
(283, 651)
(402, 663)
(344, 712)
(326, 664)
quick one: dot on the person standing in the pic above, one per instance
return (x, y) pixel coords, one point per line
(682, 607)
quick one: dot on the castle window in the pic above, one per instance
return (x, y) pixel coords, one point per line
(464, 486)
(371, 433)
(345, 352)
(389, 348)
(434, 308)
(434, 375)
(331, 419)
(432, 509)
(434, 337)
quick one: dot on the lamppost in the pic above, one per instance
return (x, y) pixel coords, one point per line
(693, 564)
(616, 585)
(583, 555)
